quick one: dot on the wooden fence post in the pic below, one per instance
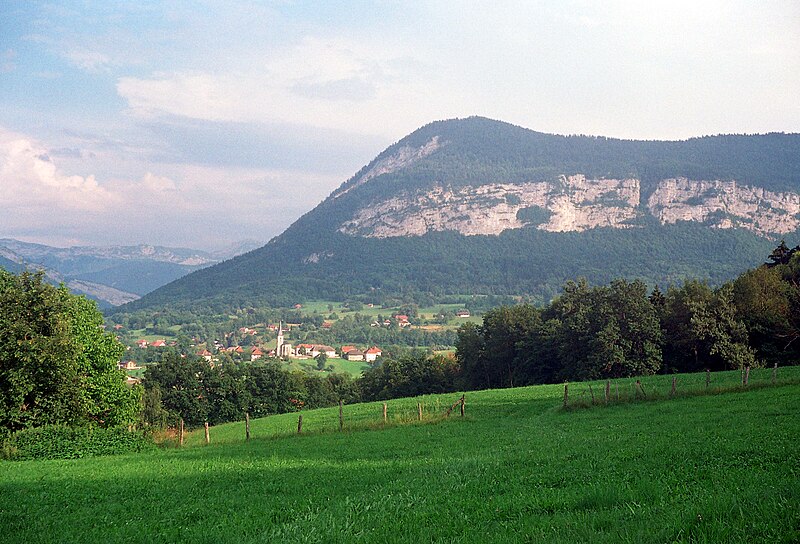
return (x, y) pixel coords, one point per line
(747, 375)
(419, 411)
(463, 402)
(566, 394)
(608, 390)
(300, 424)
(708, 377)
(180, 439)
(208, 438)
(591, 392)
(672, 392)
(640, 388)
(384, 413)
(616, 389)
(774, 373)
(247, 425)
(341, 416)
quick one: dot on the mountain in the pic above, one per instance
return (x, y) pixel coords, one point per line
(111, 275)
(476, 206)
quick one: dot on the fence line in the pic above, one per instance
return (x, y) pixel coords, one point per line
(638, 392)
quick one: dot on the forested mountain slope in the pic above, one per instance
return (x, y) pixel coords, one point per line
(476, 206)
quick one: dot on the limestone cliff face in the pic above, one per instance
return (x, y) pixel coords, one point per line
(725, 204)
(574, 203)
(402, 158)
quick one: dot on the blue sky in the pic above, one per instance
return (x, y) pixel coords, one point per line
(201, 123)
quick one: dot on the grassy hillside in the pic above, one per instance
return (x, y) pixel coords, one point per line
(716, 468)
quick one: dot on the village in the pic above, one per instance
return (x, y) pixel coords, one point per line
(291, 342)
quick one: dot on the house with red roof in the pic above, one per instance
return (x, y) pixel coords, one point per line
(402, 320)
(346, 349)
(158, 344)
(205, 354)
(372, 354)
(256, 354)
(141, 343)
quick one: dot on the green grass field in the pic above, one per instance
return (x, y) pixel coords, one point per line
(341, 366)
(518, 468)
(425, 313)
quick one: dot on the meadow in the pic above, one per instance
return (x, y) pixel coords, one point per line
(716, 467)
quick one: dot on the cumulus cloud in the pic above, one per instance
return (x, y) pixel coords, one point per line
(30, 180)
(36, 195)
(174, 204)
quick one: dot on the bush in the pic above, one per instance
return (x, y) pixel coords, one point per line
(62, 442)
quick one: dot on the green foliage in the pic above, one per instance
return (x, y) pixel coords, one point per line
(191, 389)
(585, 333)
(57, 366)
(65, 442)
(410, 375)
(717, 468)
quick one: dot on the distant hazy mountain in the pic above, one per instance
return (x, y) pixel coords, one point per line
(476, 206)
(111, 275)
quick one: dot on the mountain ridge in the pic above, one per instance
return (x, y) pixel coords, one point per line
(111, 275)
(318, 256)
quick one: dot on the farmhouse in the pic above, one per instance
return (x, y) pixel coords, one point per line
(354, 355)
(128, 365)
(402, 320)
(158, 344)
(256, 354)
(372, 354)
(312, 350)
(142, 343)
(463, 314)
(205, 354)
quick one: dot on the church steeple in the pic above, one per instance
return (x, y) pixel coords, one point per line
(279, 343)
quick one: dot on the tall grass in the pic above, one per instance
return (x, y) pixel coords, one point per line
(517, 468)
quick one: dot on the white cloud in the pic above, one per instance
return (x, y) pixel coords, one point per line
(327, 83)
(158, 184)
(184, 205)
(30, 180)
(195, 95)
(87, 59)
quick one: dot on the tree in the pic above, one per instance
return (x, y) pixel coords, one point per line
(606, 332)
(57, 365)
(181, 381)
(768, 302)
(321, 360)
(717, 323)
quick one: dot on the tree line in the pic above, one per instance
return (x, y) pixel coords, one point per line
(623, 330)
(58, 365)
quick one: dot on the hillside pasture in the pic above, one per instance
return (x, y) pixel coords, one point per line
(719, 467)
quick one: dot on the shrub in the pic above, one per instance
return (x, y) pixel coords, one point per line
(63, 442)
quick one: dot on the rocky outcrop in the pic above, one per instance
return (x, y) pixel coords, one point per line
(575, 203)
(725, 204)
(402, 158)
